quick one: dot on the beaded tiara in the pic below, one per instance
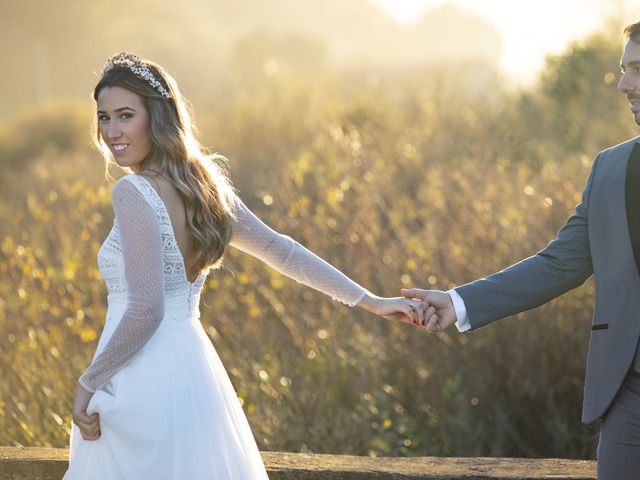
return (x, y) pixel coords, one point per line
(138, 67)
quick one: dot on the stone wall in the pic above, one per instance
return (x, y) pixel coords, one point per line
(51, 463)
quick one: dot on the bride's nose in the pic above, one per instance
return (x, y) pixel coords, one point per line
(113, 130)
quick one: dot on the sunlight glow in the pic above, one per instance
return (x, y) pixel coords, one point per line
(530, 30)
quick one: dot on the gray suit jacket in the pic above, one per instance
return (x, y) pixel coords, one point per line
(594, 240)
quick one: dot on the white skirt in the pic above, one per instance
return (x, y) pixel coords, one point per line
(170, 413)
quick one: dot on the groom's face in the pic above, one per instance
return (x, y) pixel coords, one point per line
(630, 82)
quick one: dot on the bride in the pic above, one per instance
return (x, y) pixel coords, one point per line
(156, 401)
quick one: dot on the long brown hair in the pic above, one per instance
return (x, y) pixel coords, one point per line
(199, 176)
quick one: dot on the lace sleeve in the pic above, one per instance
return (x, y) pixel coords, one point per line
(290, 258)
(141, 242)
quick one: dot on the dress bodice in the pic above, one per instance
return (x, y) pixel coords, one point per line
(181, 296)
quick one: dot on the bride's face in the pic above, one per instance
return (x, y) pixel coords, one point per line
(123, 122)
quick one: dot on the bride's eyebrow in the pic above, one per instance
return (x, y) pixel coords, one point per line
(118, 110)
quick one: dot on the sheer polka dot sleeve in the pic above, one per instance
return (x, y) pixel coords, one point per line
(290, 258)
(141, 241)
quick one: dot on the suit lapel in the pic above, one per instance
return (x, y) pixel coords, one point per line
(632, 201)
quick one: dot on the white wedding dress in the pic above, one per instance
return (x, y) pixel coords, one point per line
(167, 407)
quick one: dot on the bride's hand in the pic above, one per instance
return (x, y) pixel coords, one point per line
(398, 309)
(89, 425)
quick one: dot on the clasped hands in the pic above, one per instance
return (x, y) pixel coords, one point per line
(438, 303)
(430, 309)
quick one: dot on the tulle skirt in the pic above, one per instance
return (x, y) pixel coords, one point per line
(170, 413)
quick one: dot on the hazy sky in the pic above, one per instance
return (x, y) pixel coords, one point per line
(530, 29)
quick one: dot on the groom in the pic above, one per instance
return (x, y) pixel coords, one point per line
(602, 238)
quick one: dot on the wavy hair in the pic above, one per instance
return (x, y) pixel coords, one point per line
(199, 176)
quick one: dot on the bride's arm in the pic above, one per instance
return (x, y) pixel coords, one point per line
(288, 257)
(141, 242)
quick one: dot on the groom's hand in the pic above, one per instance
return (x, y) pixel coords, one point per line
(441, 301)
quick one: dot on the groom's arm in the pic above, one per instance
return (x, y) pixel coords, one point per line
(563, 265)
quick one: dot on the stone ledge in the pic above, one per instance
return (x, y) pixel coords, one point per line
(18, 463)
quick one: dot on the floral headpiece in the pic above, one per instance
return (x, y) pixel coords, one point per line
(134, 64)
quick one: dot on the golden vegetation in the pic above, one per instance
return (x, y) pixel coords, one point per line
(427, 181)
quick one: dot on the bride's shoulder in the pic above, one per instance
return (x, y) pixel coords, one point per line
(130, 179)
(129, 188)
(124, 184)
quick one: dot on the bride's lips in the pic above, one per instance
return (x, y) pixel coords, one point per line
(119, 148)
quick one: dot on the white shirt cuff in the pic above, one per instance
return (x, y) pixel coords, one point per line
(462, 324)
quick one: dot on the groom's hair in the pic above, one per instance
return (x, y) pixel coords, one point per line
(633, 32)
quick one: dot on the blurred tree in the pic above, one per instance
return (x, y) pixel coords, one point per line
(261, 55)
(57, 48)
(450, 35)
(61, 126)
(579, 97)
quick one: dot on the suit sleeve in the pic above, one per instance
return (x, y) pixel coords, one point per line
(141, 241)
(564, 264)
